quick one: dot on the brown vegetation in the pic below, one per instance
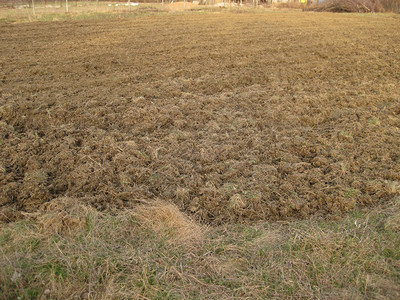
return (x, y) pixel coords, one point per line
(391, 5)
(232, 117)
(356, 6)
(348, 6)
(116, 135)
(147, 253)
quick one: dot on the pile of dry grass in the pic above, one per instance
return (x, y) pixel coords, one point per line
(166, 219)
(348, 6)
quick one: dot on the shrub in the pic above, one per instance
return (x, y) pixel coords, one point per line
(391, 5)
(355, 6)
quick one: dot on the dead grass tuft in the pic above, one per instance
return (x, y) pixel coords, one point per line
(166, 219)
(62, 215)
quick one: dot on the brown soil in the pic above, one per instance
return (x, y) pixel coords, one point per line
(232, 117)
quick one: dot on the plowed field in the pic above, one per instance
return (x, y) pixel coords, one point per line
(232, 117)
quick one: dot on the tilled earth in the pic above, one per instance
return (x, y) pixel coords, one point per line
(233, 117)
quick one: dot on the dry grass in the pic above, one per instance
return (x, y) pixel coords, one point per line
(145, 254)
(302, 121)
(82, 10)
(294, 116)
(106, 255)
(166, 219)
(89, 10)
